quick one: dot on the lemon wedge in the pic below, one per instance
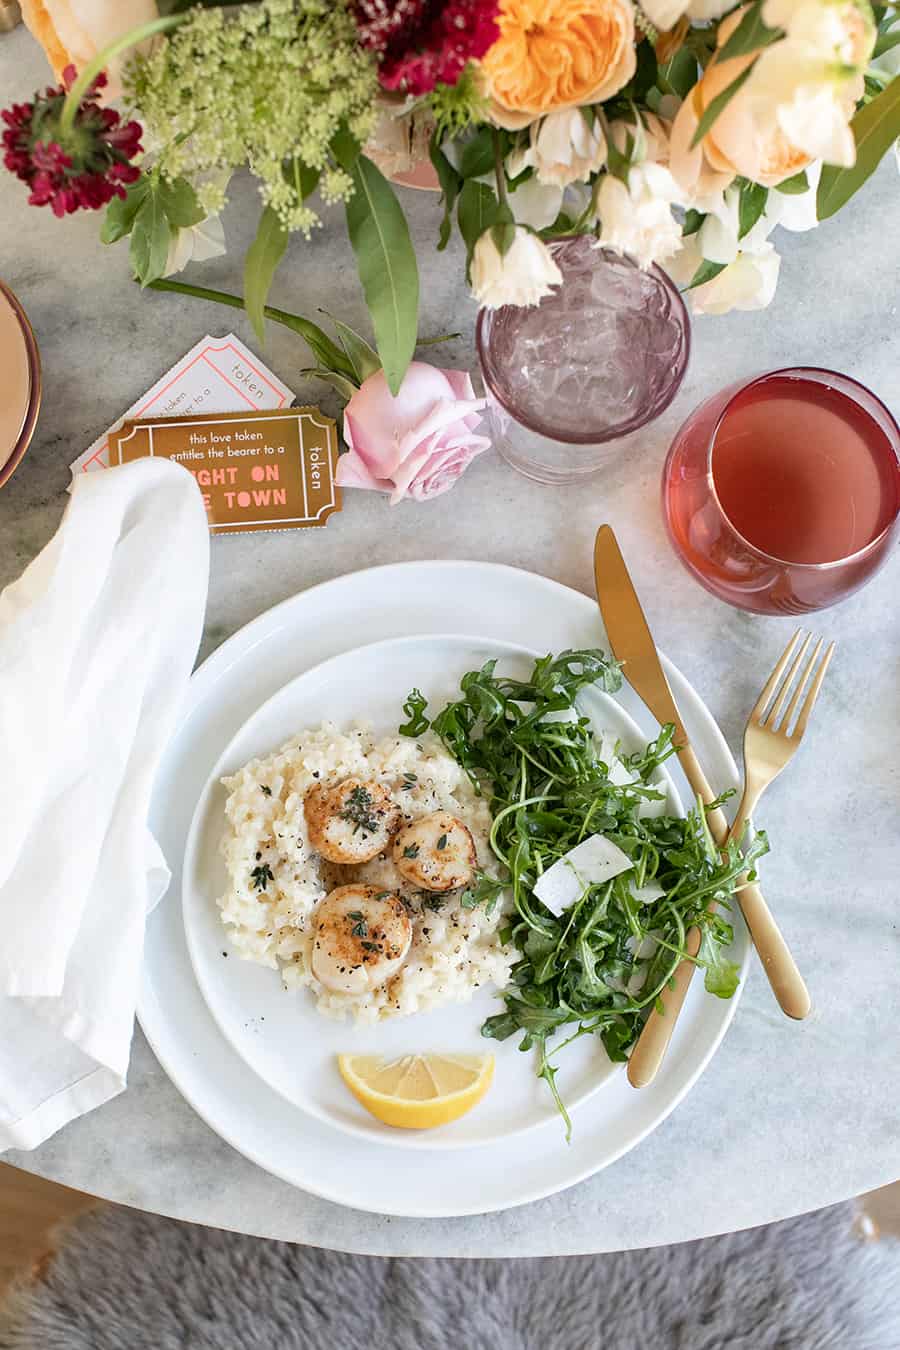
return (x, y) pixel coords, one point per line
(417, 1092)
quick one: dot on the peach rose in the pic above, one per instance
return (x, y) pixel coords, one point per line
(554, 54)
(741, 140)
(72, 32)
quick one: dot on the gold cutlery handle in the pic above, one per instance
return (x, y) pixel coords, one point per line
(777, 962)
(649, 1052)
(783, 975)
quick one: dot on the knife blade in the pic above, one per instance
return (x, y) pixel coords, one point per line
(629, 633)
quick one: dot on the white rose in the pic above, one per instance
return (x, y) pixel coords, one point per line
(796, 211)
(563, 148)
(196, 243)
(809, 83)
(664, 14)
(746, 283)
(521, 276)
(637, 218)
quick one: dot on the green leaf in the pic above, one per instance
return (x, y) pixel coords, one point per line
(328, 353)
(345, 148)
(679, 74)
(644, 77)
(503, 230)
(751, 204)
(362, 357)
(476, 212)
(450, 182)
(386, 260)
(705, 272)
(263, 257)
(751, 35)
(722, 976)
(798, 182)
(414, 708)
(719, 104)
(875, 128)
(886, 43)
(121, 212)
(150, 237)
(692, 222)
(477, 157)
(345, 387)
(179, 201)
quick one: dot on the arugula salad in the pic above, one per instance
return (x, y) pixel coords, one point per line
(596, 966)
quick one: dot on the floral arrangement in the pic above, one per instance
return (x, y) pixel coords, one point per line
(681, 132)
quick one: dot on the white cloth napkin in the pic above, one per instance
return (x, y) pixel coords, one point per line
(97, 641)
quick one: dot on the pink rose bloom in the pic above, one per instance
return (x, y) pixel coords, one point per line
(417, 444)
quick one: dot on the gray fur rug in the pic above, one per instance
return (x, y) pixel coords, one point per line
(123, 1280)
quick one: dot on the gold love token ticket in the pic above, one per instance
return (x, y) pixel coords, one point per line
(257, 471)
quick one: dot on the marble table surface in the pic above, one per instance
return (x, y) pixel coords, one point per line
(788, 1116)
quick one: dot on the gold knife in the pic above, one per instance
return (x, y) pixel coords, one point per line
(632, 644)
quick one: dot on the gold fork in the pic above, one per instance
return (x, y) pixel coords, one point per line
(772, 736)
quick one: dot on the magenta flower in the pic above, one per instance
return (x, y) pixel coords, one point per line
(84, 167)
(423, 43)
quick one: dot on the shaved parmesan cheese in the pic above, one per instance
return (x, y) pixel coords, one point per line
(645, 894)
(618, 774)
(590, 863)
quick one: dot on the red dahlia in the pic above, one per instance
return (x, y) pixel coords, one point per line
(425, 42)
(83, 167)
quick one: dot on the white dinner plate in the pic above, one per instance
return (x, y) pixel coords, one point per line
(280, 1035)
(492, 602)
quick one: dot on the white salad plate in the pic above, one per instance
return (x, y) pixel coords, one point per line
(281, 1035)
(315, 1146)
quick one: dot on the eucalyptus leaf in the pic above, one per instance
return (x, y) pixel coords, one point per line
(387, 267)
(151, 235)
(751, 35)
(875, 128)
(476, 212)
(260, 264)
(751, 204)
(719, 104)
(705, 272)
(121, 212)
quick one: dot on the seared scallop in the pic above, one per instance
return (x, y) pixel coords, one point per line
(436, 852)
(350, 822)
(362, 939)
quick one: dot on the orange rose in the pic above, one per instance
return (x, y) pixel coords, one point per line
(554, 54)
(743, 139)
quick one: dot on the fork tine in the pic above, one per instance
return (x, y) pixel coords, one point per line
(801, 686)
(772, 682)
(771, 716)
(813, 692)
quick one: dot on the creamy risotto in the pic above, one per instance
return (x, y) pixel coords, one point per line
(277, 879)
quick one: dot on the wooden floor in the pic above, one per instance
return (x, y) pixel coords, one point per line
(30, 1208)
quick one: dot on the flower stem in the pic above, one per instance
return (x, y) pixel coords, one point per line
(93, 68)
(499, 171)
(223, 298)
